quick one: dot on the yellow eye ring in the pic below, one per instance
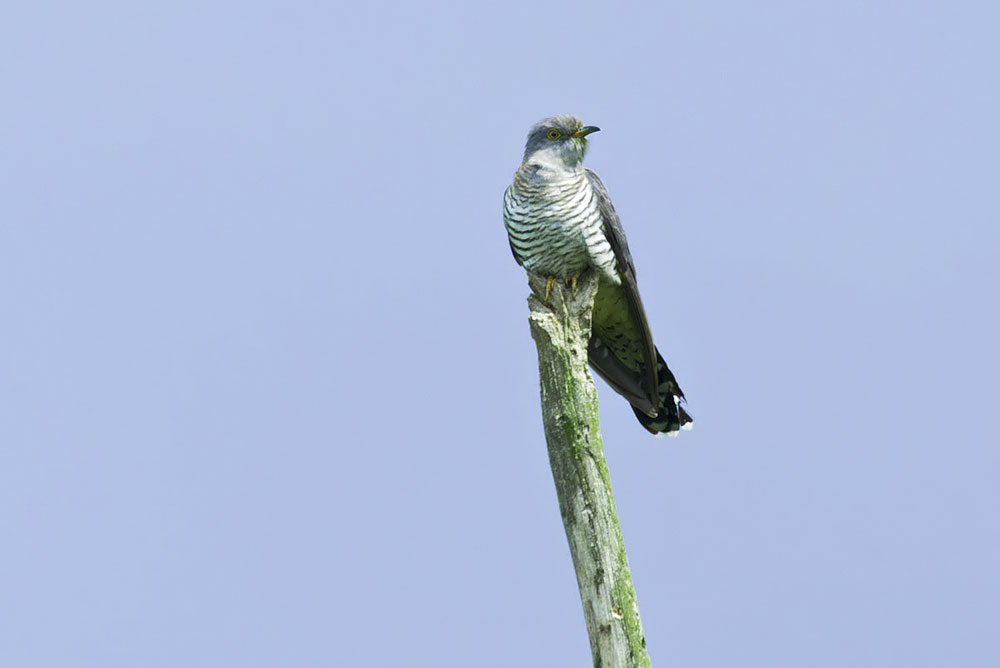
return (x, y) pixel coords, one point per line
(554, 135)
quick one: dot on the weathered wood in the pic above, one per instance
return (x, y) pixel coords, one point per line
(561, 329)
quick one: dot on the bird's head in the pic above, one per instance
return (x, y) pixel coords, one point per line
(558, 140)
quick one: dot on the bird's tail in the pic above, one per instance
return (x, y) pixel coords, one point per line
(671, 416)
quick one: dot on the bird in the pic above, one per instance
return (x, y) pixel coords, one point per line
(560, 223)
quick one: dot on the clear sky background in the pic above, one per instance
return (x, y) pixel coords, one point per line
(267, 391)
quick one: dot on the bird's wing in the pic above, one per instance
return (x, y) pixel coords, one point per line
(635, 319)
(613, 229)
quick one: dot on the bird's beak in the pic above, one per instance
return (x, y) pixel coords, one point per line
(586, 130)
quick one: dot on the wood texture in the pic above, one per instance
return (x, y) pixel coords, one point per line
(561, 330)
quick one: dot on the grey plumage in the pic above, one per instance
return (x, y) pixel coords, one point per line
(560, 222)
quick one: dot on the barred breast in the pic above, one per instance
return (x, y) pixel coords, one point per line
(555, 226)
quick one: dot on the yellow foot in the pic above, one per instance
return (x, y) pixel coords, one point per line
(571, 281)
(548, 287)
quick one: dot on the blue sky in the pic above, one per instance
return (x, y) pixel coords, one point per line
(267, 392)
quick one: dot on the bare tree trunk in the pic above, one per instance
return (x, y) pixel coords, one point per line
(561, 330)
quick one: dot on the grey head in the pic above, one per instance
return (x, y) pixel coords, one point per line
(558, 140)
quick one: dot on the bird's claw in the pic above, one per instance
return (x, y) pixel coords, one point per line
(571, 281)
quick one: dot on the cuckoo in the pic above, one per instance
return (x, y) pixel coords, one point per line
(560, 223)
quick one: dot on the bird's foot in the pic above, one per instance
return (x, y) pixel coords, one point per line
(548, 287)
(571, 282)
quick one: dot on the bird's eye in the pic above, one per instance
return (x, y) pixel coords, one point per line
(554, 135)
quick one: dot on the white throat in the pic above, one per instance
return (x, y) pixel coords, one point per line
(551, 160)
